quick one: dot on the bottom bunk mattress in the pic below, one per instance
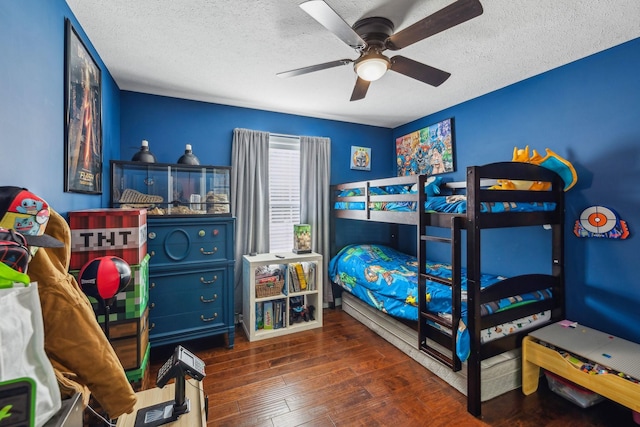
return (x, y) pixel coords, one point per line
(386, 279)
(500, 374)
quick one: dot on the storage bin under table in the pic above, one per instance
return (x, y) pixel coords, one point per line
(599, 347)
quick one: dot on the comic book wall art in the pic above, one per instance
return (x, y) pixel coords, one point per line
(426, 151)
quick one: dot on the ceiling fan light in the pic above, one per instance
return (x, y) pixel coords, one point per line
(372, 68)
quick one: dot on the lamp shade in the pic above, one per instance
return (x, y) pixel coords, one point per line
(372, 66)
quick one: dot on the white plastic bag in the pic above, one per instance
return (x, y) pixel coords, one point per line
(22, 347)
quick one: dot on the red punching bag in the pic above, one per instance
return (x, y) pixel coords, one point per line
(103, 277)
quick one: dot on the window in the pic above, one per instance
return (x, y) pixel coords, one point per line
(284, 191)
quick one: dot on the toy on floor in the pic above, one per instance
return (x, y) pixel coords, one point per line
(550, 161)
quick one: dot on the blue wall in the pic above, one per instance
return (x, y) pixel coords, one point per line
(32, 102)
(170, 123)
(588, 112)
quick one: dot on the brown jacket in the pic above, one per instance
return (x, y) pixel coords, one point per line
(80, 353)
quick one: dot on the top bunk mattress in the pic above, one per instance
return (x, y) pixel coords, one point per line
(456, 204)
(484, 185)
(448, 204)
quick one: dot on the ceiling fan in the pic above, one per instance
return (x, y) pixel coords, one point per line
(372, 36)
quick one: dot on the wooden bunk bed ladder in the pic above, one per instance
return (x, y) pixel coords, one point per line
(432, 327)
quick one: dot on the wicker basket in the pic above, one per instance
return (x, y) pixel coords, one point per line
(269, 289)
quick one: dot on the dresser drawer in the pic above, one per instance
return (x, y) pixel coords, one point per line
(179, 301)
(182, 282)
(196, 241)
(185, 323)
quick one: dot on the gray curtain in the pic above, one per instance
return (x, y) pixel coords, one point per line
(249, 198)
(315, 171)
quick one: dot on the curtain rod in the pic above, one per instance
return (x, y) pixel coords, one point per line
(281, 135)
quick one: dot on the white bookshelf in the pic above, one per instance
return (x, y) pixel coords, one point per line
(311, 296)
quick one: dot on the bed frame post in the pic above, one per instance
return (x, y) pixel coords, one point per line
(474, 403)
(557, 255)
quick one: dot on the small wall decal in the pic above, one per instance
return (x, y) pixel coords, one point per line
(600, 221)
(360, 158)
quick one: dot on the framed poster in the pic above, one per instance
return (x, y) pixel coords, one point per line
(82, 117)
(427, 151)
(360, 158)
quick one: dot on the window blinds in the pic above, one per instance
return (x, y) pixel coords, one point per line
(284, 191)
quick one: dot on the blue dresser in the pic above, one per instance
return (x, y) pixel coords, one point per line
(190, 278)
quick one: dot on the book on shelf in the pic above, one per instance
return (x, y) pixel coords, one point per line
(268, 314)
(277, 314)
(294, 281)
(310, 274)
(283, 320)
(302, 276)
(259, 317)
(299, 270)
(283, 314)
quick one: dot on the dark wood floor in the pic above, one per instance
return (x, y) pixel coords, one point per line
(345, 375)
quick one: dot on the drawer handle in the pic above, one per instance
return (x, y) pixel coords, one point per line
(201, 233)
(153, 325)
(203, 252)
(208, 282)
(152, 285)
(152, 305)
(208, 319)
(215, 232)
(152, 253)
(215, 297)
(151, 235)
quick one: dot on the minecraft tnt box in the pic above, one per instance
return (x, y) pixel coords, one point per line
(101, 232)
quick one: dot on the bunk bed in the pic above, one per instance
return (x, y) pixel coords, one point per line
(441, 337)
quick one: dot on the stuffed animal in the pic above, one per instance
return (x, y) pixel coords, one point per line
(431, 186)
(550, 161)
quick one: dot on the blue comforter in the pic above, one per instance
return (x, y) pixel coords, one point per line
(447, 204)
(387, 280)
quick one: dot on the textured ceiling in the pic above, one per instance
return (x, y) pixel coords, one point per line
(229, 51)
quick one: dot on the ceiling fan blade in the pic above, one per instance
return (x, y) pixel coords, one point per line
(360, 90)
(452, 15)
(312, 68)
(419, 71)
(325, 15)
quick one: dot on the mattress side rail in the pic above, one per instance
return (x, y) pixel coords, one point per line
(547, 286)
(367, 200)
